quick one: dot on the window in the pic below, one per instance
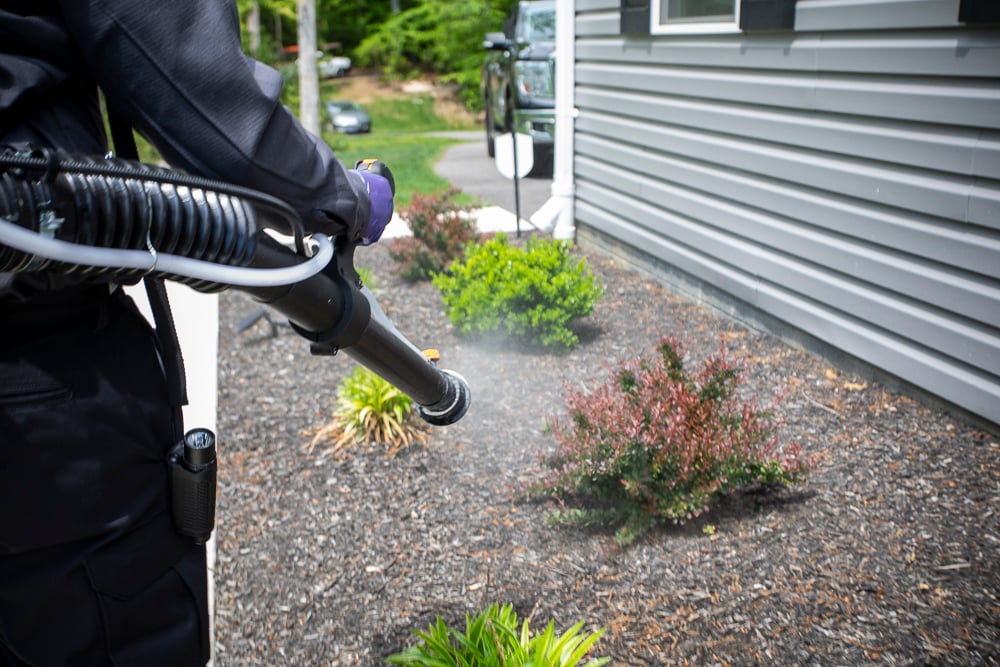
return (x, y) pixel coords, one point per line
(702, 16)
(664, 17)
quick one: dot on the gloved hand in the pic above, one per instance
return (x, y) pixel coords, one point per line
(381, 187)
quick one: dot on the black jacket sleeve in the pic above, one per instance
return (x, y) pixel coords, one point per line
(176, 70)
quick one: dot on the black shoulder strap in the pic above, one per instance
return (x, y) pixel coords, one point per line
(121, 137)
(156, 291)
(170, 347)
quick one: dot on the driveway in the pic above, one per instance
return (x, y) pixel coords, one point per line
(468, 167)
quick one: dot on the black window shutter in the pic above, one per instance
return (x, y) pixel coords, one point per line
(767, 15)
(635, 17)
(978, 11)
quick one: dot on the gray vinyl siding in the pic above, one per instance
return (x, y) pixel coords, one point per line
(842, 179)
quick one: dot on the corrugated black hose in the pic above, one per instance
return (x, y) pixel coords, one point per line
(128, 205)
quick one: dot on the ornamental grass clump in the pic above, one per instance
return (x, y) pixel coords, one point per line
(494, 638)
(440, 229)
(532, 293)
(369, 409)
(659, 444)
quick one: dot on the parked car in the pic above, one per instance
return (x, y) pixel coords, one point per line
(331, 67)
(328, 67)
(346, 117)
(518, 77)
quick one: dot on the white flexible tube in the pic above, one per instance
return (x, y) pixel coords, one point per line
(30, 242)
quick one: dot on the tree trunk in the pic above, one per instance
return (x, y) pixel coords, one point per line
(253, 29)
(308, 75)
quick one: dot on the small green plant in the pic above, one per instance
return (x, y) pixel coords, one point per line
(658, 444)
(441, 229)
(494, 639)
(367, 277)
(370, 409)
(532, 293)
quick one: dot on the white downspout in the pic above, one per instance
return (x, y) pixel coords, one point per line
(557, 214)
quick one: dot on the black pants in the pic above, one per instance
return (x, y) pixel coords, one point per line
(91, 570)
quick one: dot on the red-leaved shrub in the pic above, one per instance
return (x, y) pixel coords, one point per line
(656, 443)
(441, 229)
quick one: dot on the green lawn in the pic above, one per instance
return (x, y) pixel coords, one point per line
(412, 113)
(400, 124)
(411, 157)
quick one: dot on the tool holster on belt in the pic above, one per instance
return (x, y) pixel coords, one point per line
(191, 463)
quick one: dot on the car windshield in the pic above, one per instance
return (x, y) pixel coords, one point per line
(540, 25)
(339, 107)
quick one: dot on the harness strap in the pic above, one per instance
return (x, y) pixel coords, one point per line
(156, 291)
(166, 334)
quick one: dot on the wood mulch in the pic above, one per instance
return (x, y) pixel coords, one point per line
(887, 554)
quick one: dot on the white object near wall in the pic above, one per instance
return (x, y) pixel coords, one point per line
(504, 154)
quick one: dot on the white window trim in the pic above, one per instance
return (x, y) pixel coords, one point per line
(692, 27)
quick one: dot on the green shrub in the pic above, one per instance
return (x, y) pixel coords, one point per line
(494, 639)
(441, 229)
(369, 409)
(532, 293)
(657, 444)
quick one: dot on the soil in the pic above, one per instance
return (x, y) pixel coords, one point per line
(886, 554)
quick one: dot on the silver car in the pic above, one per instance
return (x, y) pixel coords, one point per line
(330, 67)
(346, 117)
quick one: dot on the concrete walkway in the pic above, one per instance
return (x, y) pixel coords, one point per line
(468, 167)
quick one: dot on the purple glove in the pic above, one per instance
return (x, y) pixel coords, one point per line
(380, 198)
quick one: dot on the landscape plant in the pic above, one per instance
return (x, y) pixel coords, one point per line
(659, 444)
(532, 293)
(440, 227)
(494, 638)
(369, 409)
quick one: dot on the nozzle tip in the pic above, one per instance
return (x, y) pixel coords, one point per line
(455, 404)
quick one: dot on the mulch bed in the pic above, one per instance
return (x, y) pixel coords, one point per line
(887, 554)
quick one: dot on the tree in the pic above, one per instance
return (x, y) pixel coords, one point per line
(253, 28)
(308, 74)
(436, 36)
(348, 22)
(401, 38)
(263, 22)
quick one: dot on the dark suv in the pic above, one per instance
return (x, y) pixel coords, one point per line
(518, 78)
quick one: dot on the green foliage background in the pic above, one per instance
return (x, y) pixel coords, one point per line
(440, 37)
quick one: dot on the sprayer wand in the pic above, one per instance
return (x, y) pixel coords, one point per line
(121, 220)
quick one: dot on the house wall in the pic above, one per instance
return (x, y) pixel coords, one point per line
(837, 183)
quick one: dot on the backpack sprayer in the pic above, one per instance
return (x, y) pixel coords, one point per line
(122, 220)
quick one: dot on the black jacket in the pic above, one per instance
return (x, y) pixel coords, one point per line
(175, 70)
